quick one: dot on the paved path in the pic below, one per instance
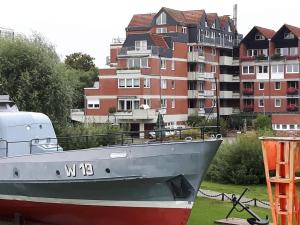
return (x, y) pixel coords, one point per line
(226, 196)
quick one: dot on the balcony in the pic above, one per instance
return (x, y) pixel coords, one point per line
(292, 108)
(209, 93)
(226, 60)
(277, 76)
(137, 114)
(229, 94)
(196, 56)
(248, 91)
(200, 76)
(196, 111)
(195, 94)
(226, 111)
(262, 76)
(248, 108)
(144, 51)
(229, 78)
(292, 91)
(218, 42)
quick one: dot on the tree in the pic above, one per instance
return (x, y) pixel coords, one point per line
(30, 72)
(80, 61)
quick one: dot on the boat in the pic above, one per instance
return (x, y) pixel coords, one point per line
(153, 183)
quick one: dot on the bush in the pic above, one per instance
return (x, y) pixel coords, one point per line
(263, 122)
(240, 162)
(81, 136)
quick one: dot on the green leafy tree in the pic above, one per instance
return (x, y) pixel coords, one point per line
(30, 72)
(263, 122)
(80, 61)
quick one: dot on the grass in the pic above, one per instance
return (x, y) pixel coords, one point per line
(206, 211)
(255, 191)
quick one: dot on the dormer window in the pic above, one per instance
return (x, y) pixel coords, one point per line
(184, 30)
(213, 25)
(161, 19)
(258, 36)
(289, 35)
(206, 23)
(141, 45)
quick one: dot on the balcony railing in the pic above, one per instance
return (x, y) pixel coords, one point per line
(248, 91)
(292, 107)
(217, 41)
(292, 91)
(143, 51)
(248, 108)
(196, 56)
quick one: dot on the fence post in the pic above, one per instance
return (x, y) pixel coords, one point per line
(255, 204)
(180, 134)
(223, 196)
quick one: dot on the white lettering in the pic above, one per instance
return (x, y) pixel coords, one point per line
(71, 171)
(87, 169)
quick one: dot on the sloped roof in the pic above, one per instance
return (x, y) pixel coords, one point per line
(293, 29)
(268, 33)
(141, 20)
(185, 17)
(211, 17)
(223, 20)
(158, 40)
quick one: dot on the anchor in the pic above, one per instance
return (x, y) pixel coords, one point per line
(255, 219)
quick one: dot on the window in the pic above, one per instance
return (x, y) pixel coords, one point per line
(128, 104)
(206, 33)
(201, 103)
(163, 64)
(205, 24)
(173, 103)
(292, 68)
(256, 52)
(213, 51)
(213, 35)
(258, 36)
(147, 82)
(121, 83)
(163, 103)
(163, 84)
(292, 126)
(213, 25)
(282, 51)
(228, 28)
(277, 126)
(261, 86)
(173, 64)
(93, 103)
(213, 103)
(288, 35)
(173, 84)
(137, 62)
(161, 30)
(229, 38)
(213, 68)
(277, 102)
(161, 19)
(141, 45)
(262, 69)
(277, 68)
(184, 30)
(261, 103)
(129, 83)
(293, 51)
(277, 85)
(248, 69)
(147, 101)
(213, 86)
(284, 126)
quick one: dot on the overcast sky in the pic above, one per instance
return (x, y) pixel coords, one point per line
(89, 25)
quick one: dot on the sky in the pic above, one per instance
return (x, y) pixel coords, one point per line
(88, 26)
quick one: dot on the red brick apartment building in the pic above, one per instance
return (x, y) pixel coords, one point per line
(269, 74)
(172, 61)
(168, 63)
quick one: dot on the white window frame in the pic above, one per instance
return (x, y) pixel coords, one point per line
(275, 68)
(275, 88)
(296, 51)
(163, 64)
(293, 68)
(161, 30)
(259, 37)
(163, 103)
(93, 103)
(131, 81)
(261, 100)
(275, 103)
(230, 38)
(163, 83)
(147, 101)
(184, 30)
(140, 45)
(248, 70)
(259, 87)
(263, 69)
(173, 64)
(173, 103)
(131, 63)
(213, 68)
(213, 86)
(132, 104)
(288, 35)
(147, 82)
(161, 19)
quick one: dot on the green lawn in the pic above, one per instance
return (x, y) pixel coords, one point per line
(206, 211)
(255, 191)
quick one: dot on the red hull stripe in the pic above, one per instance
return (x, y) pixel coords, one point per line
(144, 204)
(69, 214)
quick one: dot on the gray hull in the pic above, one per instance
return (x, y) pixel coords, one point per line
(154, 176)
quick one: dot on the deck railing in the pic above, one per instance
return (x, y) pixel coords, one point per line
(115, 139)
